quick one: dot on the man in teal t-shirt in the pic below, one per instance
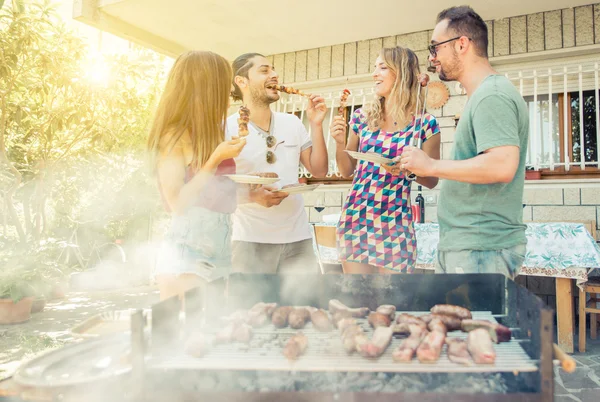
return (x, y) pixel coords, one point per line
(480, 206)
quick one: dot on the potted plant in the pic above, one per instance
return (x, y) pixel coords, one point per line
(16, 295)
(532, 174)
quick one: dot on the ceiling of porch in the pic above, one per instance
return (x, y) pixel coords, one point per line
(232, 27)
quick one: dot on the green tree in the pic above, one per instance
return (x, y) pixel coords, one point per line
(56, 120)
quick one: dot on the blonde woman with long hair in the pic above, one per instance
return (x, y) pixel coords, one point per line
(190, 156)
(375, 231)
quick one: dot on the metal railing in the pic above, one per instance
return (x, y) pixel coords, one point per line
(541, 88)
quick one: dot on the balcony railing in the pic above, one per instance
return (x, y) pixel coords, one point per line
(554, 97)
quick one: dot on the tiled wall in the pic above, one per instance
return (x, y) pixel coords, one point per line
(565, 28)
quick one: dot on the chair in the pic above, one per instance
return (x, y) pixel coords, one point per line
(592, 287)
(324, 236)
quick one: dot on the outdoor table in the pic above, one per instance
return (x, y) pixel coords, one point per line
(565, 251)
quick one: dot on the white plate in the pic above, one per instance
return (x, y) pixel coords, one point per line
(251, 179)
(370, 157)
(298, 189)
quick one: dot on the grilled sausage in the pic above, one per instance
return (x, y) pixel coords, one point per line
(498, 332)
(298, 318)
(379, 320)
(452, 323)
(296, 346)
(479, 344)
(409, 319)
(449, 309)
(320, 320)
(280, 316)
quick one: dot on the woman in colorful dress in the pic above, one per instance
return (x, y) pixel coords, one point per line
(375, 231)
(190, 156)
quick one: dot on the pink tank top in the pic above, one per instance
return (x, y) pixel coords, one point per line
(219, 194)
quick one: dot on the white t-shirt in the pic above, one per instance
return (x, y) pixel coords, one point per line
(286, 222)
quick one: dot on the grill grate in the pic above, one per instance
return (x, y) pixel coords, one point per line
(325, 354)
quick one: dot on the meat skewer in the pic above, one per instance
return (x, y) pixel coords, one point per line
(287, 90)
(337, 306)
(296, 346)
(243, 121)
(479, 344)
(406, 350)
(498, 332)
(458, 351)
(343, 101)
(452, 310)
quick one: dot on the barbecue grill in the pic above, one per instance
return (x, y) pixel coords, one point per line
(258, 371)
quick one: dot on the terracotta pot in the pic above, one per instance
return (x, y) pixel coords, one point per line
(38, 305)
(58, 292)
(14, 313)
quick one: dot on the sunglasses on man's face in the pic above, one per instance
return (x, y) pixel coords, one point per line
(433, 47)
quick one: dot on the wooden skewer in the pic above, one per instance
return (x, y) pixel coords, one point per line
(567, 363)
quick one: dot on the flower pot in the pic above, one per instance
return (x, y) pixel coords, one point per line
(533, 175)
(38, 305)
(14, 313)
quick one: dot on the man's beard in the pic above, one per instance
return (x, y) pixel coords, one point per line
(451, 71)
(260, 97)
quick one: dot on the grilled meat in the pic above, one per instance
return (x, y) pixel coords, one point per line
(479, 344)
(298, 318)
(320, 320)
(379, 320)
(431, 347)
(452, 310)
(498, 332)
(280, 316)
(458, 351)
(406, 350)
(296, 346)
(337, 306)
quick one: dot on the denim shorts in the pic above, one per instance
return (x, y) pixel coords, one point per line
(506, 261)
(198, 242)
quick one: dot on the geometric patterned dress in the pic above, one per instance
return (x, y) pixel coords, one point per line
(376, 224)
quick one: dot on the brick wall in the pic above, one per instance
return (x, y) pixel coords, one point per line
(551, 30)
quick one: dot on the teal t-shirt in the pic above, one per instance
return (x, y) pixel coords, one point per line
(486, 216)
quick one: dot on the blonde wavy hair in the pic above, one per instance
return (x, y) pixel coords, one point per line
(194, 101)
(403, 97)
